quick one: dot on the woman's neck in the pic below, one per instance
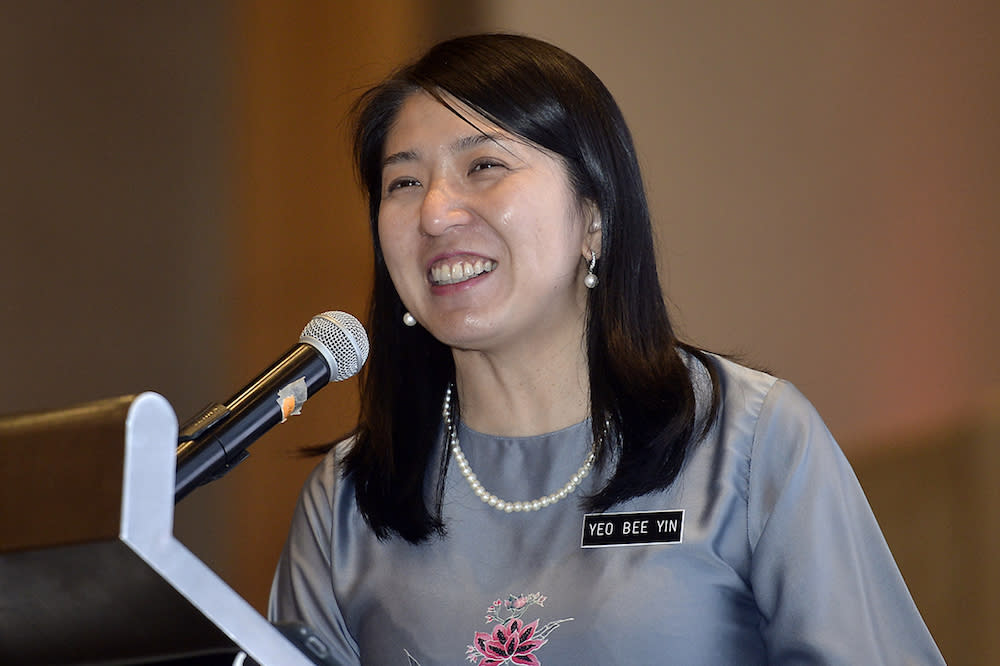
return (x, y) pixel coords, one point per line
(507, 395)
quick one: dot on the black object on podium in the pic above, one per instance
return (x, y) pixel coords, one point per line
(90, 572)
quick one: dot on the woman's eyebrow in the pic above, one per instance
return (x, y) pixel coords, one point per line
(474, 140)
(396, 158)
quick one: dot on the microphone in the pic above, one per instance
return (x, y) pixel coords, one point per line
(333, 347)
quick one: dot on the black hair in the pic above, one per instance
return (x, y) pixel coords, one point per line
(644, 412)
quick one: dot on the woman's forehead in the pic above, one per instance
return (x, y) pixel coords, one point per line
(423, 113)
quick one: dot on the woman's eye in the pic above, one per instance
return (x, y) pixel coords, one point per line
(400, 183)
(484, 165)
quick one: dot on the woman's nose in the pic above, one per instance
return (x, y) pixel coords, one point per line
(443, 208)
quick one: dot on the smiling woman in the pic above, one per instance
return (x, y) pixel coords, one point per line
(621, 496)
(484, 240)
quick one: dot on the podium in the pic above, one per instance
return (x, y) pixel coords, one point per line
(90, 572)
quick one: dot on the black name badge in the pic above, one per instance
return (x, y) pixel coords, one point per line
(601, 530)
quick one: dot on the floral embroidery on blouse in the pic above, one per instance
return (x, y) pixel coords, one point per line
(512, 640)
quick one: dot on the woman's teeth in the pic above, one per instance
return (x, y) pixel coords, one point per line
(460, 271)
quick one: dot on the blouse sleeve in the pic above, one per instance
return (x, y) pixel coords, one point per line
(825, 582)
(302, 590)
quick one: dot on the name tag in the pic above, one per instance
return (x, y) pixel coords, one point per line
(632, 529)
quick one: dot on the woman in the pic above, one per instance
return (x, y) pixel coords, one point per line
(535, 446)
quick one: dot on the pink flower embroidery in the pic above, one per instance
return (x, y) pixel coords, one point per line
(509, 643)
(511, 640)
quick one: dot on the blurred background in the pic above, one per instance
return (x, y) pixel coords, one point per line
(177, 201)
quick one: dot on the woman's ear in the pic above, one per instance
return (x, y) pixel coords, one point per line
(592, 236)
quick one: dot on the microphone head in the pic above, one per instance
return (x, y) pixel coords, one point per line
(342, 341)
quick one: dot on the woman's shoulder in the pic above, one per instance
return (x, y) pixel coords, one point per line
(738, 375)
(771, 422)
(739, 386)
(754, 401)
(326, 480)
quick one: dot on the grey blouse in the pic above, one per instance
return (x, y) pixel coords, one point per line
(764, 551)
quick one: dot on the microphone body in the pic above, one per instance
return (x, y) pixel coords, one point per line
(333, 347)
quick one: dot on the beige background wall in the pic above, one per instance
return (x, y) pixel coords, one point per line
(177, 202)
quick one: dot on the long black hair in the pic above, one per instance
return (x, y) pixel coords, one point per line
(640, 384)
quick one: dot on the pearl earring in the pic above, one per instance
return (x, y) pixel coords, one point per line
(590, 280)
(409, 320)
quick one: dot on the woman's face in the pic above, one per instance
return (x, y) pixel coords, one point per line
(482, 234)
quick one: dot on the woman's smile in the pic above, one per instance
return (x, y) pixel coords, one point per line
(456, 270)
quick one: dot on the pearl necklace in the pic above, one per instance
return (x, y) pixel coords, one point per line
(451, 431)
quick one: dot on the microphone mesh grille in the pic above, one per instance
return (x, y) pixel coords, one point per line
(344, 338)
